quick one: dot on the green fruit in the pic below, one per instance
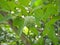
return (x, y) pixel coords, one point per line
(29, 21)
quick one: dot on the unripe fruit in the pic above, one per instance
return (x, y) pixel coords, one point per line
(29, 21)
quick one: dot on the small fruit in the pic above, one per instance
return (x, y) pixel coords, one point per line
(29, 21)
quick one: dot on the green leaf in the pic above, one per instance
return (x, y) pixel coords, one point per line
(4, 19)
(19, 23)
(50, 11)
(41, 41)
(50, 23)
(12, 5)
(32, 3)
(34, 30)
(38, 2)
(49, 29)
(58, 5)
(24, 2)
(38, 14)
(1, 17)
(4, 5)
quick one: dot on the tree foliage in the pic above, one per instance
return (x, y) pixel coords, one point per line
(30, 22)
